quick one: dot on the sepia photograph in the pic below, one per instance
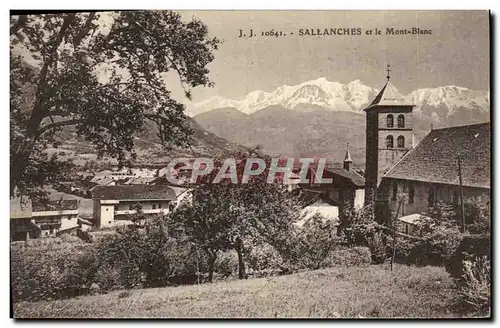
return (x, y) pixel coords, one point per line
(250, 164)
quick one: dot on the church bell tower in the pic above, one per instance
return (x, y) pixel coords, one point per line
(389, 133)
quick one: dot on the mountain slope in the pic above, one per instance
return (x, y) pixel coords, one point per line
(310, 132)
(148, 147)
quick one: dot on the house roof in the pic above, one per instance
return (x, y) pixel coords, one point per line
(308, 197)
(434, 159)
(389, 96)
(140, 180)
(178, 190)
(412, 218)
(353, 176)
(133, 192)
(56, 205)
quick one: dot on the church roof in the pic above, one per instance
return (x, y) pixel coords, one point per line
(389, 96)
(434, 159)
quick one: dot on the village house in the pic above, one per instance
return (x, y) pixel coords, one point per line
(115, 205)
(347, 186)
(33, 220)
(316, 202)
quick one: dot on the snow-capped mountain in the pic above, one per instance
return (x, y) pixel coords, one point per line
(450, 98)
(321, 92)
(437, 103)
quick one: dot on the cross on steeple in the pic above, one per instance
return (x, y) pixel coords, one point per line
(388, 72)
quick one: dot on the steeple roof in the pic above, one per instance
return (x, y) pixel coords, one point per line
(347, 156)
(389, 96)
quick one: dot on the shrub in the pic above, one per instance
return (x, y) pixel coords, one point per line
(38, 274)
(348, 256)
(262, 257)
(316, 240)
(359, 228)
(146, 258)
(475, 287)
(227, 263)
(377, 245)
(477, 214)
(470, 247)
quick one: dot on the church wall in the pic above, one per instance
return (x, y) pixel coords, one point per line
(443, 192)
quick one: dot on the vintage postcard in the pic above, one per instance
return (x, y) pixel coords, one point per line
(250, 164)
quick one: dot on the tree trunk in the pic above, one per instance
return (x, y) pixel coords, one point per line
(20, 160)
(211, 265)
(241, 263)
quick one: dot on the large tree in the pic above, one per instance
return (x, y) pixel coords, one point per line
(104, 74)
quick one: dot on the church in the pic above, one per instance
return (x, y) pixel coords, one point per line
(404, 180)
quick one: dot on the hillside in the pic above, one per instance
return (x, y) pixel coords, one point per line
(148, 146)
(354, 292)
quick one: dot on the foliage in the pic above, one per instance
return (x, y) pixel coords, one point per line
(478, 214)
(359, 228)
(262, 257)
(37, 273)
(107, 81)
(438, 238)
(226, 264)
(439, 216)
(223, 215)
(475, 287)
(348, 256)
(317, 239)
(470, 247)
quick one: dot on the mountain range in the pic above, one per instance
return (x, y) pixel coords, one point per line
(319, 117)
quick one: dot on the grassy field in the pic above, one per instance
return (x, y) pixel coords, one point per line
(356, 292)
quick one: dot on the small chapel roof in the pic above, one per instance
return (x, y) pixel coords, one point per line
(347, 156)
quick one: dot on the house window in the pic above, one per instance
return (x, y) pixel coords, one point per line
(411, 194)
(394, 190)
(390, 121)
(389, 142)
(159, 205)
(401, 142)
(401, 121)
(154, 206)
(130, 207)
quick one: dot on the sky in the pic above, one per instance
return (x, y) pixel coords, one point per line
(456, 53)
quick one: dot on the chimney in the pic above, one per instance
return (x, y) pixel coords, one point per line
(347, 159)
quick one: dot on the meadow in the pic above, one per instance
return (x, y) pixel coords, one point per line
(342, 292)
